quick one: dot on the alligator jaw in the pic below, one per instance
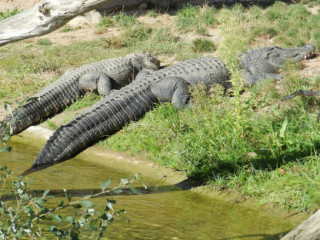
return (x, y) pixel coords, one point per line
(309, 55)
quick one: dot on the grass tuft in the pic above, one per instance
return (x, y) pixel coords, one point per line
(44, 42)
(203, 45)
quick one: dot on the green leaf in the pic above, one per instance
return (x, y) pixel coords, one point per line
(7, 107)
(120, 211)
(87, 203)
(134, 190)
(70, 219)
(110, 217)
(46, 193)
(5, 149)
(124, 181)
(25, 197)
(53, 228)
(60, 204)
(283, 128)
(104, 216)
(111, 201)
(93, 224)
(117, 191)
(108, 206)
(27, 210)
(3, 168)
(40, 201)
(77, 205)
(6, 137)
(19, 234)
(56, 217)
(105, 185)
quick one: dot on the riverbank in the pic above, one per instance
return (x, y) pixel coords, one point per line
(96, 155)
(251, 143)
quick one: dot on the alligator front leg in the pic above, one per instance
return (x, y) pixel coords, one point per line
(253, 78)
(96, 81)
(173, 89)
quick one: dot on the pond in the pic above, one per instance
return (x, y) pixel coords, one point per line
(165, 211)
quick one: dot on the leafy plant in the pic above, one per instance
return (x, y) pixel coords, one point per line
(24, 214)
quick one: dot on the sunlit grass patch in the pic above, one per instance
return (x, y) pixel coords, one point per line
(203, 45)
(87, 101)
(190, 17)
(44, 42)
(8, 13)
(119, 20)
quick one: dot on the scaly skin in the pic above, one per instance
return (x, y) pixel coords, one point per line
(129, 104)
(100, 77)
(265, 62)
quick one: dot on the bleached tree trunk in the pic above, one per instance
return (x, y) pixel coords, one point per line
(49, 15)
(43, 18)
(308, 230)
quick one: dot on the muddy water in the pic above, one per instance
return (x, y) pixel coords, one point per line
(165, 211)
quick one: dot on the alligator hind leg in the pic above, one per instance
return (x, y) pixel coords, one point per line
(96, 81)
(174, 90)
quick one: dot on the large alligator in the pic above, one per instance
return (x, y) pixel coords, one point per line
(265, 62)
(101, 77)
(129, 104)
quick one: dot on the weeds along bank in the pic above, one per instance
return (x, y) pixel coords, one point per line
(251, 142)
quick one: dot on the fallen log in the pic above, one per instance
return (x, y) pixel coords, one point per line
(308, 230)
(50, 15)
(43, 18)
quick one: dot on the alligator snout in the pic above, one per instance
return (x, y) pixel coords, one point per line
(309, 55)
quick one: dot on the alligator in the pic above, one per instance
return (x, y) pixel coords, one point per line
(100, 77)
(265, 62)
(130, 103)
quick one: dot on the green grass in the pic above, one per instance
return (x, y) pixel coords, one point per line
(8, 13)
(44, 42)
(203, 45)
(192, 17)
(119, 20)
(250, 142)
(86, 101)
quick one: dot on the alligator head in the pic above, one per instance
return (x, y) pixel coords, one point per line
(144, 61)
(297, 53)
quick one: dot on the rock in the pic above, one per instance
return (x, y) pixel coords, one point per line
(90, 18)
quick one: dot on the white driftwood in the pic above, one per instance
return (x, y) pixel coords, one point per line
(43, 18)
(308, 230)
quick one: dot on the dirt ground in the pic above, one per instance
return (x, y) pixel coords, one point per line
(17, 4)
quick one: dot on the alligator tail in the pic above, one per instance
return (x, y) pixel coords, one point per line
(40, 108)
(103, 119)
